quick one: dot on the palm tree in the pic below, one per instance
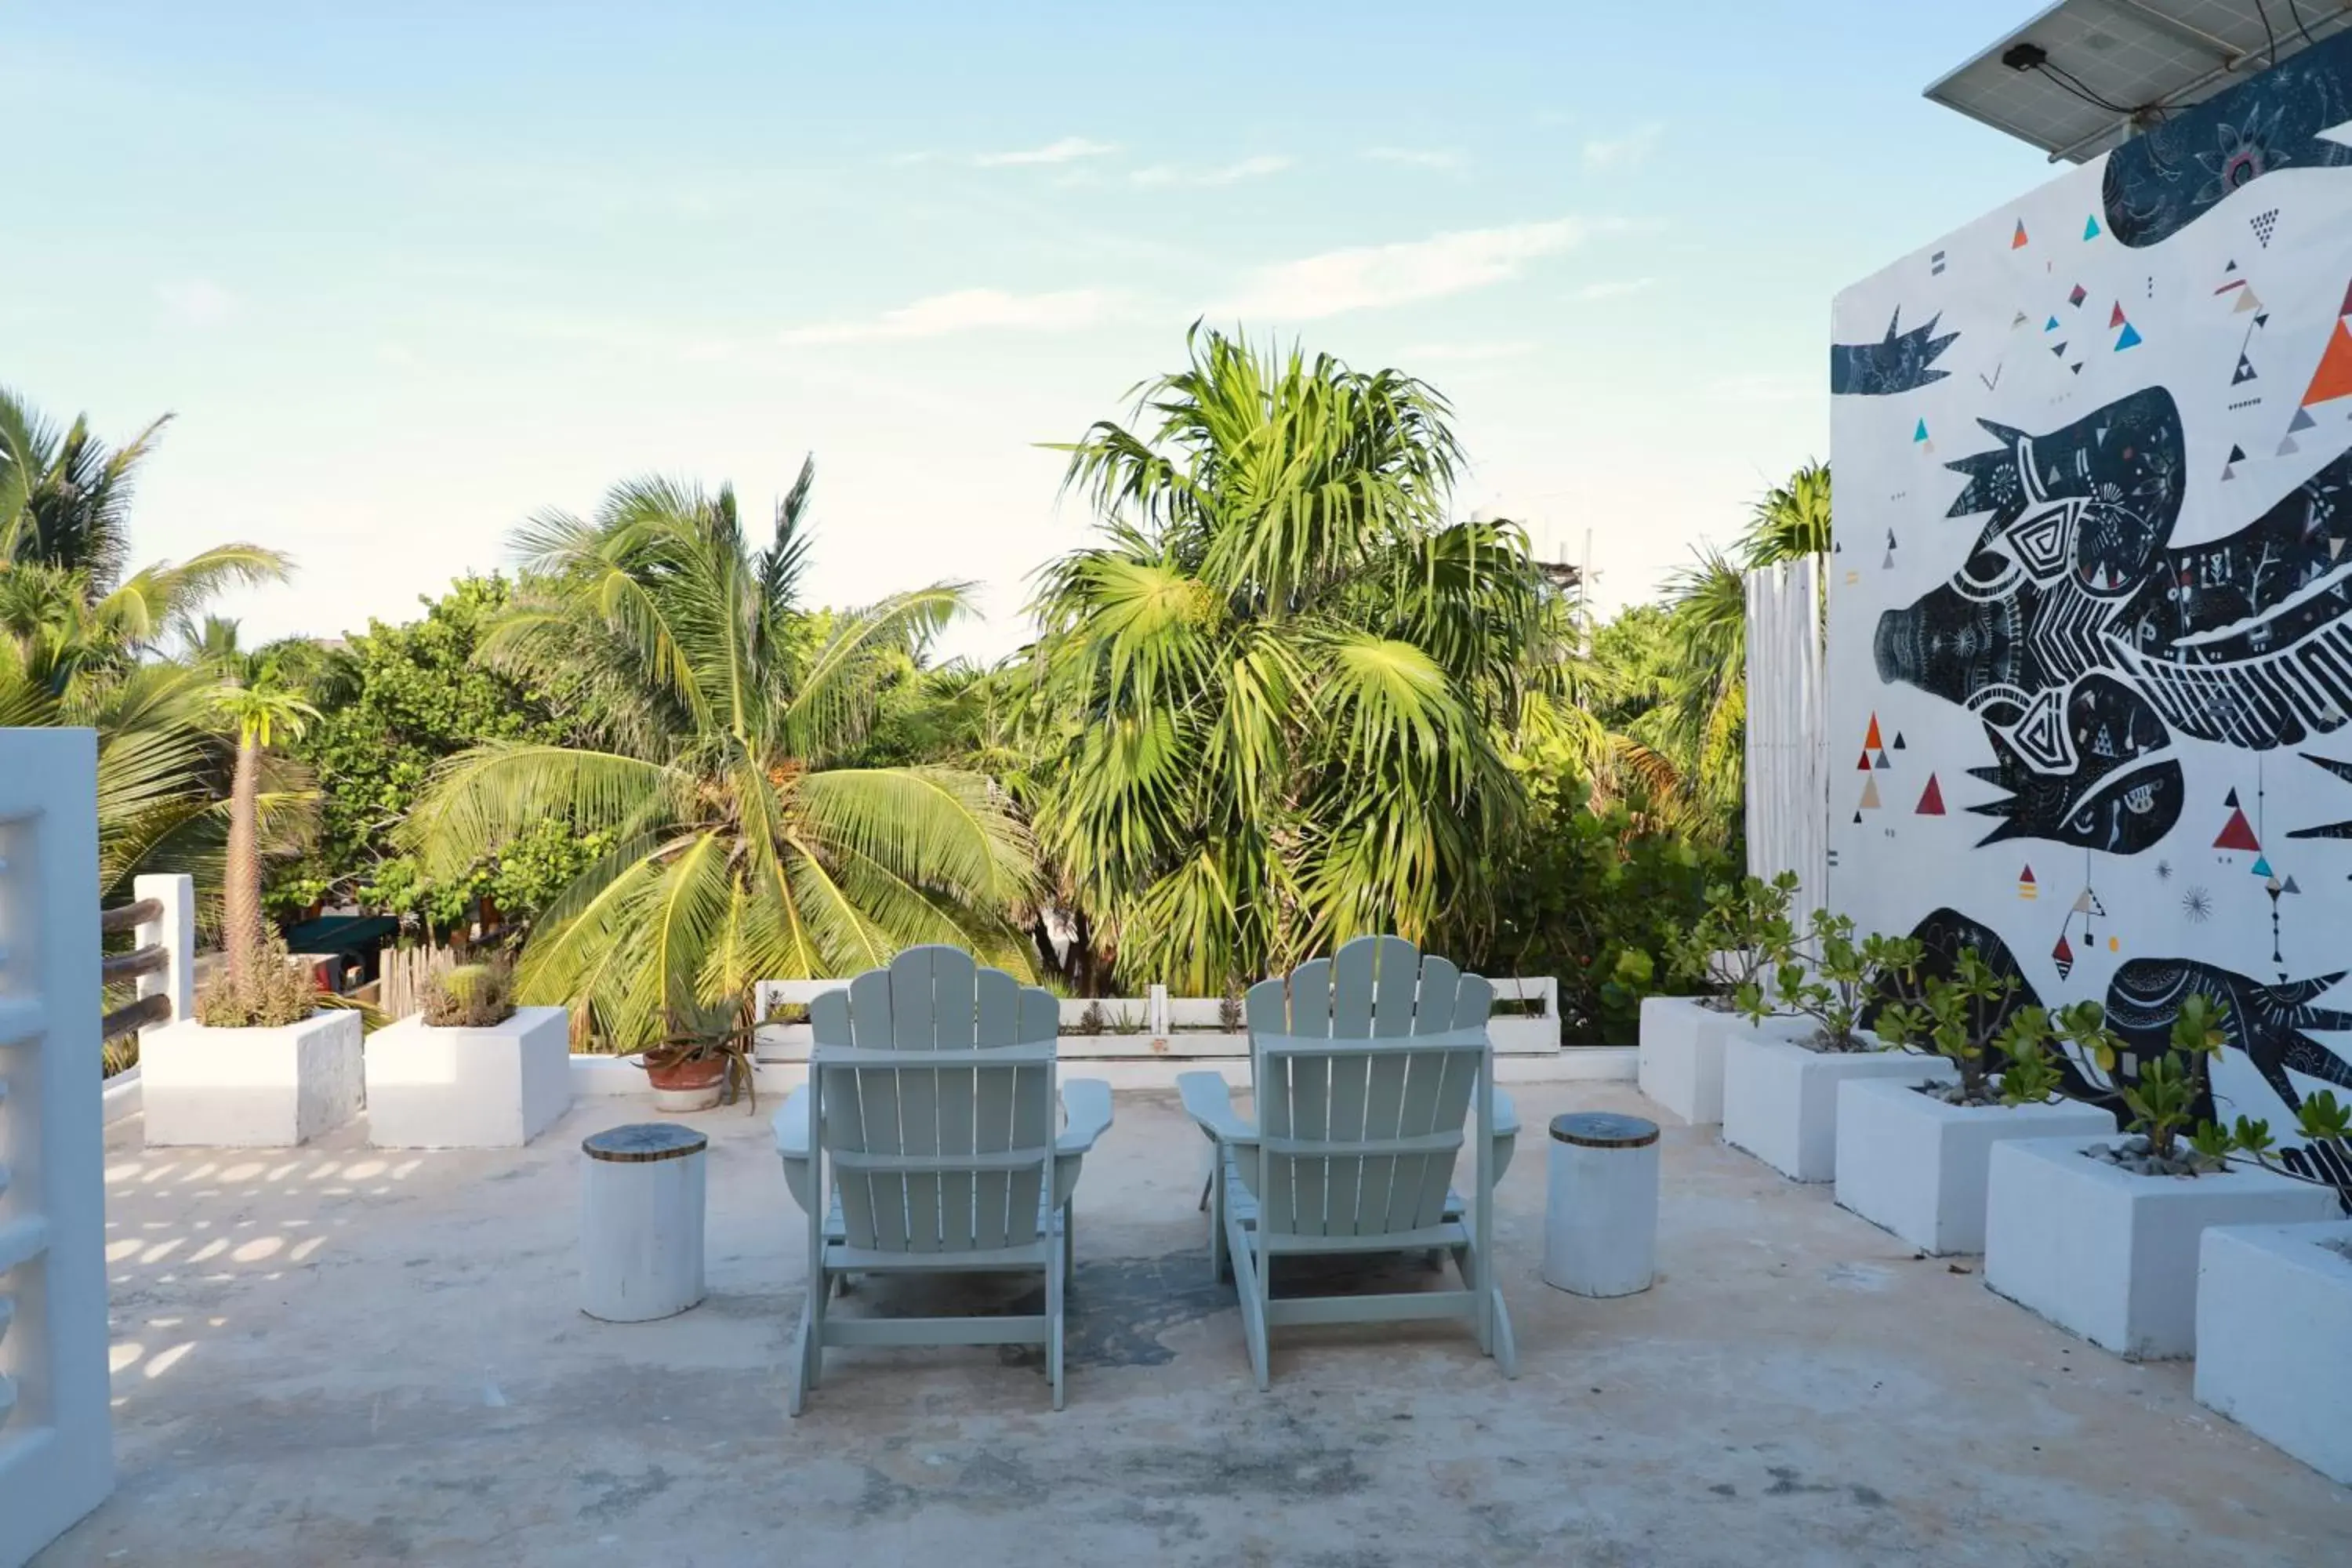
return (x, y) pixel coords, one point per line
(1283, 672)
(714, 717)
(259, 712)
(65, 497)
(1791, 520)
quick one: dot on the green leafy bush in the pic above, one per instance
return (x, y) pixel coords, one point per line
(1829, 977)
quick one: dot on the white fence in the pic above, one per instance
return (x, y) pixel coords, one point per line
(1174, 1027)
(1788, 759)
(57, 1459)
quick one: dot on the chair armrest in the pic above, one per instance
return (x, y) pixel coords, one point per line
(791, 1126)
(1506, 1132)
(1085, 1105)
(1209, 1101)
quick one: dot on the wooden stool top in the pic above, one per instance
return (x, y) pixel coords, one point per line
(1604, 1130)
(640, 1141)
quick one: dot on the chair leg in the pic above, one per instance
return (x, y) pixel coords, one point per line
(1220, 1267)
(1055, 1293)
(1507, 1350)
(1069, 1241)
(805, 1355)
(1253, 1294)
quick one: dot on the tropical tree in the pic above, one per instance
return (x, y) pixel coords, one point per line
(1283, 672)
(711, 735)
(65, 497)
(258, 712)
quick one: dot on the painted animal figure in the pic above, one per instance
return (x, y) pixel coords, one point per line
(2088, 644)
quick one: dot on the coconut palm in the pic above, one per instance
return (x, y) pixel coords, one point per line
(714, 717)
(65, 497)
(1283, 672)
(259, 712)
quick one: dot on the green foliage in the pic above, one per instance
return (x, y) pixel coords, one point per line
(1828, 976)
(713, 736)
(1281, 676)
(1603, 908)
(471, 996)
(2164, 1096)
(397, 701)
(1725, 950)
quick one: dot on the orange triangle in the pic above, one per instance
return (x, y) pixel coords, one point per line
(2017, 240)
(2333, 376)
(1871, 742)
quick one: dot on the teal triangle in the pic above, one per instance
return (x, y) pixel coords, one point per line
(1920, 434)
(2129, 339)
(2262, 865)
(2091, 227)
(2053, 326)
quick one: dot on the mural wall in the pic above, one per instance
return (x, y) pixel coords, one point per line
(2091, 607)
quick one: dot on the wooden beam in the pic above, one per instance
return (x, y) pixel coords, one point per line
(139, 961)
(156, 1009)
(129, 917)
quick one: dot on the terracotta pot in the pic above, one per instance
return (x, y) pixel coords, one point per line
(695, 1084)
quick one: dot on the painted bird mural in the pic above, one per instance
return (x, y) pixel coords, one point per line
(2088, 643)
(2179, 169)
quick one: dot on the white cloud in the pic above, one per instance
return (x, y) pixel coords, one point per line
(1613, 289)
(1368, 277)
(968, 311)
(1467, 354)
(1070, 149)
(1254, 168)
(1416, 157)
(1604, 153)
(196, 301)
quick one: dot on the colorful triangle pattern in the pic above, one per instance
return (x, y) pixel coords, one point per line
(1931, 800)
(2238, 832)
(2017, 240)
(2333, 378)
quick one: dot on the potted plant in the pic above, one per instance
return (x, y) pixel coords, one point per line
(1780, 1089)
(704, 1060)
(471, 1070)
(1680, 1059)
(2101, 1235)
(2274, 1315)
(267, 1061)
(1912, 1151)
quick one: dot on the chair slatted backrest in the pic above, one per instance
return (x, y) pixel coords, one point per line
(1362, 1142)
(935, 1103)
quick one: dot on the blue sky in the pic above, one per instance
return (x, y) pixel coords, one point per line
(407, 279)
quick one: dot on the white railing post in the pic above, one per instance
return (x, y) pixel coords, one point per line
(57, 1459)
(174, 930)
(1155, 1012)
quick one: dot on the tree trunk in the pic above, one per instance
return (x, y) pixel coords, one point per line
(241, 888)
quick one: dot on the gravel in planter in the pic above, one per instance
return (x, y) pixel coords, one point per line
(2133, 1154)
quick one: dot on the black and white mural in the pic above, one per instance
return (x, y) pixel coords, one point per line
(2091, 605)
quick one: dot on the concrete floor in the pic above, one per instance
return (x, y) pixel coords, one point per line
(336, 1356)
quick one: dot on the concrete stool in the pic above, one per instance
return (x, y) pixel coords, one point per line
(641, 1221)
(1601, 1218)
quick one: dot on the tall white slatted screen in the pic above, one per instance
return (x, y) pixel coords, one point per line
(57, 1460)
(1788, 750)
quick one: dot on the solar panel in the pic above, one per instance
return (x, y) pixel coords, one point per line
(2105, 68)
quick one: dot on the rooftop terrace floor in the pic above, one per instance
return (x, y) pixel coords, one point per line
(334, 1355)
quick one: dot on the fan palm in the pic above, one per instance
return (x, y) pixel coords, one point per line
(1282, 670)
(65, 497)
(714, 716)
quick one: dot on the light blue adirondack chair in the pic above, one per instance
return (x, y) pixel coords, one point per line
(1365, 1067)
(930, 1114)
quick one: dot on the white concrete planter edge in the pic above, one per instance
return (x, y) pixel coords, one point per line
(1916, 1165)
(250, 1088)
(496, 1087)
(2274, 1319)
(2112, 1256)
(1780, 1098)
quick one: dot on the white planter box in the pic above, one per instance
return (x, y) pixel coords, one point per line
(1780, 1100)
(1916, 1165)
(250, 1088)
(1682, 1056)
(494, 1088)
(2274, 1337)
(2112, 1256)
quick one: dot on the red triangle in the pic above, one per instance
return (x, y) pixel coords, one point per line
(1864, 764)
(2064, 953)
(2025, 877)
(2117, 319)
(1871, 742)
(2333, 376)
(1931, 799)
(2239, 833)
(2346, 310)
